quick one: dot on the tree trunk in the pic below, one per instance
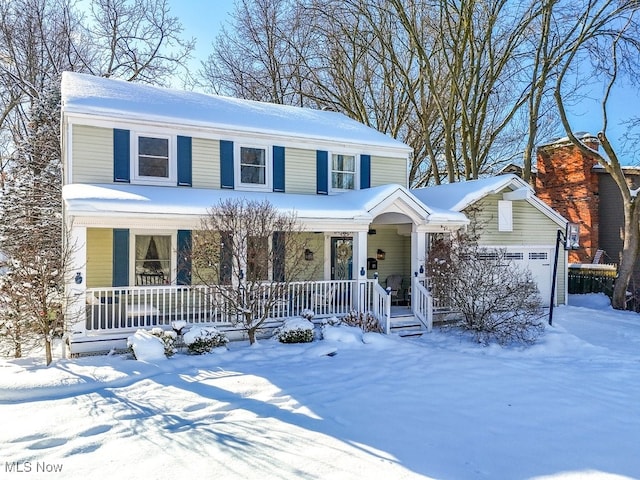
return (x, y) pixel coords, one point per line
(629, 255)
(252, 335)
(47, 351)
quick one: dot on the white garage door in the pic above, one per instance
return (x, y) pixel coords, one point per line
(539, 262)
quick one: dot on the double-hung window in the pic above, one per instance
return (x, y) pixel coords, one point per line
(153, 259)
(343, 172)
(154, 160)
(254, 167)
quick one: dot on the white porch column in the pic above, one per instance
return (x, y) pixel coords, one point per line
(418, 248)
(76, 279)
(360, 268)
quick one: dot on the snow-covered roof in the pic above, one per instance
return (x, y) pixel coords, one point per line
(131, 200)
(87, 94)
(459, 195)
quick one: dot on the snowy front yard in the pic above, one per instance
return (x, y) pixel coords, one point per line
(436, 407)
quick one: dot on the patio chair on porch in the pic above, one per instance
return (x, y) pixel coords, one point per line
(151, 278)
(394, 282)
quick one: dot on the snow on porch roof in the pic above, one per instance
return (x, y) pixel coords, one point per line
(459, 195)
(132, 200)
(89, 94)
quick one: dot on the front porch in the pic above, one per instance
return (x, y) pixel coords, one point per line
(112, 314)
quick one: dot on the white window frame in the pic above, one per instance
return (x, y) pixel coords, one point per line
(356, 172)
(237, 170)
(173, 159)
(173, 259)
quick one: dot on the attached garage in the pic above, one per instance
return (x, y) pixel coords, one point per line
(511, 218)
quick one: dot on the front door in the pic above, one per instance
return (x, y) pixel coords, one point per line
(341, 258)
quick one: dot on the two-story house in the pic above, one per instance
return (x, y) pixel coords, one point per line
(142, 165)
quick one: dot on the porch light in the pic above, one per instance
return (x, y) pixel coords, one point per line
(308, 255)
(572, 237)
(78, 278)
(381, 254)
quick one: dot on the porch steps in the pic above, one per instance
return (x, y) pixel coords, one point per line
(407, 326)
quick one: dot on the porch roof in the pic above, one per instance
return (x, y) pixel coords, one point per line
(136, 201)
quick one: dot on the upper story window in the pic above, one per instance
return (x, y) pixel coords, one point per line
(343, 172)
(254, 168)
(154, 159)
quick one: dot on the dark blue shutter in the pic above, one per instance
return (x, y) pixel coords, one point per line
(120, 257)
(184, 257)
(365, 171)
(226, 258)
(322, 172)
(226, 164)
(278, 256)
(278, 169)
(121, 155)
(184, 161)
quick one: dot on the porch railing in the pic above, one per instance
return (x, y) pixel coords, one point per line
(422, 303)
(125, 308)
(381, 307)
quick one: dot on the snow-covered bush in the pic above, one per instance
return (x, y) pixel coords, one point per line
(168, 338)
(201, 340)
(146, 347)
(498, 302)
(295, 330)
(307, 314)
(366, 321)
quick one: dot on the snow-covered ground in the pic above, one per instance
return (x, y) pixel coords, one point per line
(435, 407)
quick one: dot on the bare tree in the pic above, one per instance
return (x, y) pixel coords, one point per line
(248, 253)
(610, 39)
(136, 40)
(497, 301)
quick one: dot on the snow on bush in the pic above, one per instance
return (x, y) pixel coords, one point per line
(307, 314)
(146, 347)
(178, 325)
(201, 340)
(295, 330)
(366, 321)
(168, 338)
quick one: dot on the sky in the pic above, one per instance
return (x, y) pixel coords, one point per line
(346, 406)
(202, 19)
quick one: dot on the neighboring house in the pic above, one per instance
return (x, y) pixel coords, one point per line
(143, 164)
(512, 218)
(580, 189)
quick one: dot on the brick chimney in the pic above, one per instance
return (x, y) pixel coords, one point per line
(567, 183)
